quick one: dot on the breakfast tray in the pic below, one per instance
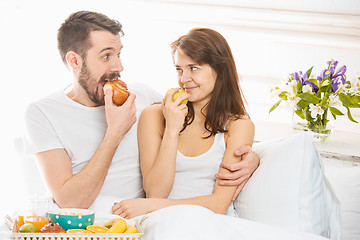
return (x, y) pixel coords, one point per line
(82, 236)
(78, 236)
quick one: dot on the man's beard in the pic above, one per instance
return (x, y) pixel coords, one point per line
(90, 84)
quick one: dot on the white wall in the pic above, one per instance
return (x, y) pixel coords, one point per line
(269, 40)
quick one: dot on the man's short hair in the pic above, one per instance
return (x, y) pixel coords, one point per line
(73, 34)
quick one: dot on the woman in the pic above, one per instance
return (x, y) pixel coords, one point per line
(181, 146)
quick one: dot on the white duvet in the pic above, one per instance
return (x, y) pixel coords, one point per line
(196, 222)
(188, 222)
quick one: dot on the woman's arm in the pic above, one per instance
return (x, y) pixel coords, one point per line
(158, 142)
(241, 171)
(157, 170)
(240, 131)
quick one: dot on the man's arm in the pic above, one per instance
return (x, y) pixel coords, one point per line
(241, 171)
(80, 190)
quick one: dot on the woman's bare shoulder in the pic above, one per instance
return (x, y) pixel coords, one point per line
(152, 116)
(240, 131)
(152, 110)
(243, 122)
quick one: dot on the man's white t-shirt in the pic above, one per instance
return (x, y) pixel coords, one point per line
(58, 122)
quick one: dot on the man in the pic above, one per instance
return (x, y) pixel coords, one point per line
(85, 145)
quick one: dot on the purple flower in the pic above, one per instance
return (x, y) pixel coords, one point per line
(332, 63)
(303, 79)
(336, 77)
(314, 86)
(298, 76)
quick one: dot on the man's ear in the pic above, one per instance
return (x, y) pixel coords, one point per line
(74, 60)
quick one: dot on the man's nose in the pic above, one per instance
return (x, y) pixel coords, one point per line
(117, 66)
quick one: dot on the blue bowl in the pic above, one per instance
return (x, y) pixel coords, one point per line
(72, 218)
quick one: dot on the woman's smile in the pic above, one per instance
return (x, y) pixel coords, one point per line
(190, 89)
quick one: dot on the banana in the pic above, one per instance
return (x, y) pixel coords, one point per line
(119, 227)
(111, 222)
(131, 229)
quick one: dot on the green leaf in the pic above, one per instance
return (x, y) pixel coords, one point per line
(298, 87)
(309, 71)
(300, 114)
(350, 116)
(302, 104)
(323, 89)
(283, 95)
(355, 99)
(309, 98)
(346, 101)
(275, 106)
(335, 111)
(333, 115)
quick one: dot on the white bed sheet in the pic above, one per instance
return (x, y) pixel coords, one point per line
(196, 222)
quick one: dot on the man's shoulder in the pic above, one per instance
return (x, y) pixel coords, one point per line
(55, 96)
(47, 102)
(142, 88)
(145, 92)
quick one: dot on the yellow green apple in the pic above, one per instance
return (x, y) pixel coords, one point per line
(176, 95)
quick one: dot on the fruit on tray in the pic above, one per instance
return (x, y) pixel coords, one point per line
(32, 224)
(28, 228)
(111, 222)
(119, 227)
(97, 229)
(38, 221)
(20, 220)
(78, 231)
(131, 229)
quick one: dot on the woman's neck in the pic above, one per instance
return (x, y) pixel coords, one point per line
(200, 112)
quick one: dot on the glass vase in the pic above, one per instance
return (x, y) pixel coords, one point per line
(320, 127)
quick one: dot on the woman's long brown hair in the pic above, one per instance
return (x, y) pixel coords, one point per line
(206, 46)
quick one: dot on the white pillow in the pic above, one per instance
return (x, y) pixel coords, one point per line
(289, 189)
(344, 176)
(31, 177)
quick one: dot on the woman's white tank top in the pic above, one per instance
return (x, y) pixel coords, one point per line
(195, 176)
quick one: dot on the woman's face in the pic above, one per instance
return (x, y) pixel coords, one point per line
(197, 80)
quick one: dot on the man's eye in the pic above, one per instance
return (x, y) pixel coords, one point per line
(193, 68)
(118, 55)
(106, 56)
(179, 70)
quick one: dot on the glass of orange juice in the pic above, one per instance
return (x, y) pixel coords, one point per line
(38, 221)
(35, 213)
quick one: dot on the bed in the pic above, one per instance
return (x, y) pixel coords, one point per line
(294, 191)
